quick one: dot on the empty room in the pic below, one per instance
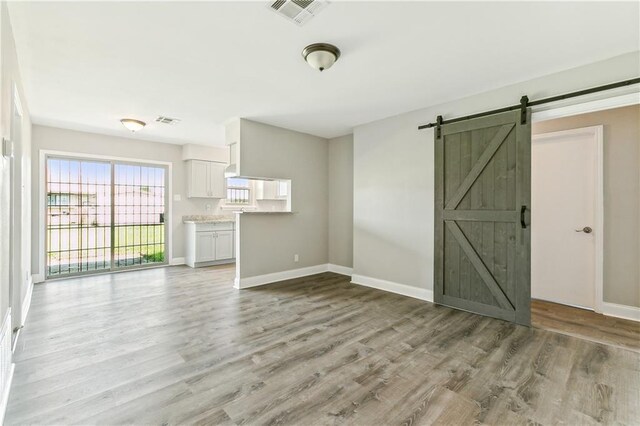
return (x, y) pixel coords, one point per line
(319, 212)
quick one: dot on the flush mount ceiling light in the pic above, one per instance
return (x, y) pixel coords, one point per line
(321, 56)
(133, 125)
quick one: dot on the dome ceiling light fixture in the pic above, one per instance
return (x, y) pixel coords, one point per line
(321, 56)
(132, 124)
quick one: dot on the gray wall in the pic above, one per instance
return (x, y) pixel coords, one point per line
(21, 178)
(341, 201)
(50, 138)
(268, 242)
(393, 173)
(621, 196)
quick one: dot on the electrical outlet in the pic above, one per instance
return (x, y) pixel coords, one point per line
(296, 258)
(207, 207)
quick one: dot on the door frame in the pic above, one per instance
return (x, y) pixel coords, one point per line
(615, 99)
(598, 133)
(16, 213)
(576, 106)
(42, 208)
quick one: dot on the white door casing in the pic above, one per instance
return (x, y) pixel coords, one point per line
(18, 208)
(566, 196)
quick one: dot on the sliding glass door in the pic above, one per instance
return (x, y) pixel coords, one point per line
(139, 231)
(78, 214)
(102, 216)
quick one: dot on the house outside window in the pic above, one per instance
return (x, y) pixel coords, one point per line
(238, 192)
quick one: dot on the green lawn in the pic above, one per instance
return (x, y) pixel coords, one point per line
(146, 240)
(131, 242)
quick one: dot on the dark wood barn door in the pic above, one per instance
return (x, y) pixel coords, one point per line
(482, 201)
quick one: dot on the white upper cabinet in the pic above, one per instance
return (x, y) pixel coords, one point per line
(217, 181)
(205, 179)
(197, 178)
(232, 139)
(271, 190)
(265, 190)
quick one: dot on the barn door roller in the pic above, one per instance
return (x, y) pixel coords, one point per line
(439, 127)
(524, 103)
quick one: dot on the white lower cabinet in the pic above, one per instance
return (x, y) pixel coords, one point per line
(224, 245)
(205, 246)
(210, 244)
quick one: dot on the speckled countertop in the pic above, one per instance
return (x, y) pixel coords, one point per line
(207, 219)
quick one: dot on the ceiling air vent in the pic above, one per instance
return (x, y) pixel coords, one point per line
(298, 11)
(167, 120)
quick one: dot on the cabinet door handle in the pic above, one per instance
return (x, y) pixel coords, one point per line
(523, 224)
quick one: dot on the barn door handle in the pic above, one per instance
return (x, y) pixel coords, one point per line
(523, 209)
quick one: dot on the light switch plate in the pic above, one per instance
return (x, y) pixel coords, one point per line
(177, 197)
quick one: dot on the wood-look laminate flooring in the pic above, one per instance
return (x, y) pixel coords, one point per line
(585, 324)
(181, 346)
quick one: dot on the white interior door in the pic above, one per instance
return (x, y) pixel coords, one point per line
(564, 221)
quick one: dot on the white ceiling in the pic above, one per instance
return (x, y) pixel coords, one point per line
(85, 65)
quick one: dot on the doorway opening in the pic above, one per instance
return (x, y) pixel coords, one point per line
(567, 239)
(576, 287)
(103, 216)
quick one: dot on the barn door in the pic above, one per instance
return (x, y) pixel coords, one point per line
(482, 208)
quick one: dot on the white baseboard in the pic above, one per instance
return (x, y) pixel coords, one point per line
(37, 278)
(7, 366)
(392, 287)
(24, 311)
(5, 397)
(279, 276)
(177, 261)
(338, 269)
(621, 311)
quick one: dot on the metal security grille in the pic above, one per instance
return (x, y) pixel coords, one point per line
(238, 191)
(139, 215)
(78, 216)
(237, 196)
(102, 216)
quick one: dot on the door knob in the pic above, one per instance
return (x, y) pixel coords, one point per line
(586, 230)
